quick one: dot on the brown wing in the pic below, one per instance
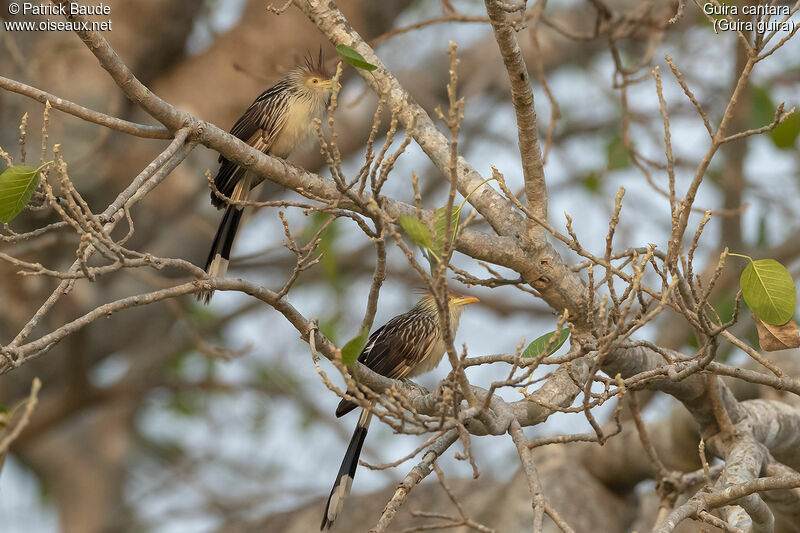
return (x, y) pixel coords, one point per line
(258, 127)
(395, 348)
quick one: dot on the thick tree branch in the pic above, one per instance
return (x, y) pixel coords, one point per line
(118, 124)
(493, 207)
(522, 99)
(704, 500)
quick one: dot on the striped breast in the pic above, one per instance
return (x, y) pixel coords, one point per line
(298, 128)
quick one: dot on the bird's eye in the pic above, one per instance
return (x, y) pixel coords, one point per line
(314, 80)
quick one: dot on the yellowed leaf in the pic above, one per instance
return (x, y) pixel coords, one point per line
(773, 338)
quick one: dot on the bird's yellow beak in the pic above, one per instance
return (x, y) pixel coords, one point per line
(466, 300)
(331, 84)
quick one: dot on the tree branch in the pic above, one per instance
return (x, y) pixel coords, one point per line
(522, 99)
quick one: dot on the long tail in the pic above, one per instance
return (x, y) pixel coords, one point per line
(220, 254)
(344, 479)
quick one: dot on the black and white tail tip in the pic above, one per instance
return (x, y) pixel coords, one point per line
(344, 479)
(220, 254)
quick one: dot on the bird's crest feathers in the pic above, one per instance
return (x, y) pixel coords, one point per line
(315, 68)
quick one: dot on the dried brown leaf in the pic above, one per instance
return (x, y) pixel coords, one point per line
(773, 338)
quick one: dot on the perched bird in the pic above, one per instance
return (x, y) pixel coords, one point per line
(408, 345)
(280, 120)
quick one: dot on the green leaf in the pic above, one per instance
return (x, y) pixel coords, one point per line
(185, 404)
(724, 309)
(440, 226)
(785, 134)
(617, 154)
(763, 231)
(269, 375)
(539, 347)
(762, 110)
(421, 233)
(769, 291)
(354, 58)
(353, 348)
(329, 326)
(592, 182)
(327, 246)
(328, 242)
(16, 188)
(201, 316)
(693, 342)
(701, 19)
(417, 231)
